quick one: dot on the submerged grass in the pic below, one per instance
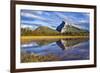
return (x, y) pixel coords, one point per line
(37, 58)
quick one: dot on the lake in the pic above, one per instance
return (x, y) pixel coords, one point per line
(46, 50)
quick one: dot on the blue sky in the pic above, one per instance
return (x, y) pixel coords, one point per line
(52, 19)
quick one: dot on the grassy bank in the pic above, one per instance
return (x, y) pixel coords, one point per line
(51, 37)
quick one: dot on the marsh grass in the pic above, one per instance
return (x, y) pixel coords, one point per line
(37, 58)
(26, 39)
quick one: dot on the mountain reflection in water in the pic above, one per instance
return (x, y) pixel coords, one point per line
(55, 50)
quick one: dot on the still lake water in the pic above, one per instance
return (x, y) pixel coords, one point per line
(55, 50)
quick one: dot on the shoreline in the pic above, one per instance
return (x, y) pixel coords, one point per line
(53, 37)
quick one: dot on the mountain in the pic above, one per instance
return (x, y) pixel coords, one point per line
(72, 30)
(40, 31)
(43, 30)
(68, 30)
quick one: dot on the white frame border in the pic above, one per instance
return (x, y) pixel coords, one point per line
(52, 64)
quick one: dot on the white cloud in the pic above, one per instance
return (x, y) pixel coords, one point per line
(26, 26)
(31, 23)
(35, 12)
(74, 19)
(65, 18)
(39, 12)
(26, 14)
(83, 21)
(78, 26)
(27, 22)
(47, 13)
(86, 14)
(35, 23)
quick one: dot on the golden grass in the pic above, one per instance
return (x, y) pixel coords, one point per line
(26, 39)
(51, 37)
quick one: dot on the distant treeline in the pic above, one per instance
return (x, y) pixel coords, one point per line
(28, 32)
